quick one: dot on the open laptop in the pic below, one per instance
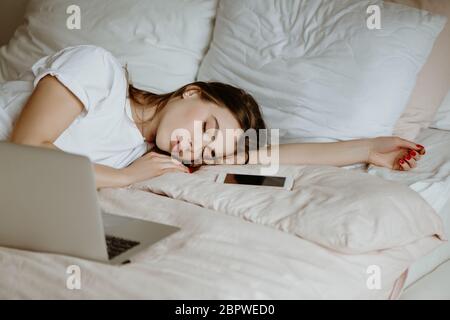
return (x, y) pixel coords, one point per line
(48, 203)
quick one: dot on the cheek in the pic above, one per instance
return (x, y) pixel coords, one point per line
(163, 134)
(229, 147)
(185, 122)
(167, 128)
(225, 147)
(181, 117)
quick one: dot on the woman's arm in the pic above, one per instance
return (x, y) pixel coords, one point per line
(328, 153)
(391, 152)
(338, 154)
(105, 176)
(49, 111)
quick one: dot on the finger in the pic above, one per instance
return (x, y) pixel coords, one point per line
(421, 149)
(166, 170)
(410, 160)
(403, 165)
(164, 158)
(410, 145)
(160, 155)
(176, 161)
(415, 155)
(170, 164)
(152, 154)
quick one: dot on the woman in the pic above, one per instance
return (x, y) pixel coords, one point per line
(83, 103)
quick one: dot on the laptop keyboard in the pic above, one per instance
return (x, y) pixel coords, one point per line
(118, 246)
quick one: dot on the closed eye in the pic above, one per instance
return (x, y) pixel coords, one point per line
(213, 138)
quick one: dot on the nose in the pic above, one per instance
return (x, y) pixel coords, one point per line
(185, 143)
(196, 149)
(191, 150)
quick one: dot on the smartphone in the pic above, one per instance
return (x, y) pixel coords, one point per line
(256, 180)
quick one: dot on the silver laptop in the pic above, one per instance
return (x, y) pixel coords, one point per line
(48, 203)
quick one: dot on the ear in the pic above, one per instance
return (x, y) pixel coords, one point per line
(191, 91)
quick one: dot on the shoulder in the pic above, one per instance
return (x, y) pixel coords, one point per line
(82, 57)
(91, 52)
(92, 73)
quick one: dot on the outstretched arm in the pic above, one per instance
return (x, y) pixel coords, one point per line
(391, 152)
(327, 153)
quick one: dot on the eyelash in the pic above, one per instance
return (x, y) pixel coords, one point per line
(213, 153)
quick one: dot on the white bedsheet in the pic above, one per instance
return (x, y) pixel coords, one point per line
(433, 286)
(431, 179)
(213, 256)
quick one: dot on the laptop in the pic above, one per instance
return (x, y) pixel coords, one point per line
(49, 203)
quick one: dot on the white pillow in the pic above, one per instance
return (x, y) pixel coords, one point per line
(442, 118)
(316, 68)
(163, 41)
(343, 210)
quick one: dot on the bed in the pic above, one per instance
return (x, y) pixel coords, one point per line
(259, 245)
(218, 256)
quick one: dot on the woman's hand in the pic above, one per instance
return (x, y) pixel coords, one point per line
(394, 153)
(151, 165)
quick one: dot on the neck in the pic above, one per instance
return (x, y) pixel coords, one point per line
(145, 113)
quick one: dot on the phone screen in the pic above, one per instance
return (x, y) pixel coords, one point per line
(255, 180)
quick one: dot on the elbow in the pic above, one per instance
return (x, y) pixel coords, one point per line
(25, 141)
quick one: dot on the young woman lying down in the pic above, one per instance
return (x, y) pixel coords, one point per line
(83, 103)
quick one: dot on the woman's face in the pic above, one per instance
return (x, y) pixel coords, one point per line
(191, 128)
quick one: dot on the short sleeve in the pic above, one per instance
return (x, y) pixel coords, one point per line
(89, 72)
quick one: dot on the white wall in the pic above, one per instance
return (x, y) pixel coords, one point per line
(11, 16)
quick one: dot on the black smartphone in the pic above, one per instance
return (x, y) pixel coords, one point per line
(256, 180)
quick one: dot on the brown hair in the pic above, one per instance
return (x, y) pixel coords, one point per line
(240, 103)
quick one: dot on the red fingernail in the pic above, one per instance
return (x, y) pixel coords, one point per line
(190, 170)
(401, 161)
(408, 157)
(419, 146)
(412, 153)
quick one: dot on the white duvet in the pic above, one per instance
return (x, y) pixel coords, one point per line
(213, 256)
(334, 236)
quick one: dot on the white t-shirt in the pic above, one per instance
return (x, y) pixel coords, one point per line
(105, 131)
